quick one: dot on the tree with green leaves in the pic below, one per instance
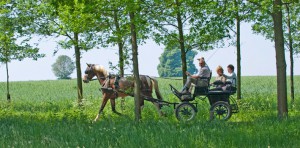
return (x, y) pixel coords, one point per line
(292, 37)
(170, 63)
(236, 10)
(188, 25)
(137, 82)
(13, 42)
(268, 14)
(63, 67)
(118, 33)
(238, 18)
(139, 30)
(76, 21)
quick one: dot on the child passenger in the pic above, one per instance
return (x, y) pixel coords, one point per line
(231, 76)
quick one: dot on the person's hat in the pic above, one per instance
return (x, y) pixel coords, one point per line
(201, 58)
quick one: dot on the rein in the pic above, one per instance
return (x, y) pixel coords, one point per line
(169, 78)
(94, 79)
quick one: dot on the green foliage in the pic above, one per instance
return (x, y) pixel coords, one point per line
(203, 28)
(67, 18)
(170, 63)
(49, 117)
(262, 17)
(263, 21)
(293, 13)
(14, 45)
(118, 33)
(75, 20)
(63, 67)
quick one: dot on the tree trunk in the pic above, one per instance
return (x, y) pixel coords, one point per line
(137, 84)
(120, 44)
(238, 49)
(280, 61)
(7, 82)
(78, 69)
(181, 42)
(291, 55)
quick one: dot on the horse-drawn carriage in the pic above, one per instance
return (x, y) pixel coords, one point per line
(222, 104)
(221, 101)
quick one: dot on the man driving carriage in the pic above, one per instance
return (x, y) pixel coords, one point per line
(204, 72)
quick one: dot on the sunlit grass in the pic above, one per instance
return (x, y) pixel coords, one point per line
(45, 114)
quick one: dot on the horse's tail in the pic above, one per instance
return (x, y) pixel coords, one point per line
(157, 92)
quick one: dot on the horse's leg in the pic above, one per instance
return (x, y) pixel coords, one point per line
(158, 108)
(158, 95)
(123, 104)
(104, 101)
(156, 105)
(113, 104)
(142, 103)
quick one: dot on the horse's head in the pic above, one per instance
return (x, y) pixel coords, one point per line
(89, 73)
(93, 70)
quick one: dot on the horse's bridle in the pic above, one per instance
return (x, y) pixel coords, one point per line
(91, 71)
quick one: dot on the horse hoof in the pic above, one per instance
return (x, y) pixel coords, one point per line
(163, 115)
(117, 113)
(96, 119)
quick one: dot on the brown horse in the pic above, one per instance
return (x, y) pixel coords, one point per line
(124, 86)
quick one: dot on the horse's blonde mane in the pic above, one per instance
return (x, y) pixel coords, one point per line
(100, 68)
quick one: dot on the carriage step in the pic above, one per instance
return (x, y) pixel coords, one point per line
(187, 97)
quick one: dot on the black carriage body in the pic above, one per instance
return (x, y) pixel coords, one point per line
(215, 97)
(221, 101)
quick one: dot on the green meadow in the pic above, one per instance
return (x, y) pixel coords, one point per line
(46, 114)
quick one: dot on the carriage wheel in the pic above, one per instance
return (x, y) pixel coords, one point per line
(185, 111)
(220, 110)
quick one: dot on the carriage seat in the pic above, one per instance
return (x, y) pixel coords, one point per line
(227, 89)
(202, 86)
(217, 92)
(203, 81)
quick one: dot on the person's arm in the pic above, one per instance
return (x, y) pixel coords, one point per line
(195, 76)
(226, 76)
(230, 76)
(192, 76)
(223, 79)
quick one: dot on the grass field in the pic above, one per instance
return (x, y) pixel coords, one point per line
(45, 114)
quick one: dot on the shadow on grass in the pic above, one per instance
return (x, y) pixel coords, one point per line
(72, 127)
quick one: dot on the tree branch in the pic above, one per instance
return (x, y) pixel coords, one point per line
(187, 18)
(259, 5)
(169, 24)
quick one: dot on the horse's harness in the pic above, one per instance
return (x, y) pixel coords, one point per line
(106, 84)
(107, 87)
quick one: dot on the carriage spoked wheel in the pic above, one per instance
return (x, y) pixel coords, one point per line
(185, 111)
(220, 110)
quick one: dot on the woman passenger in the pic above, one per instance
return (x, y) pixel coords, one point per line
(220, 79)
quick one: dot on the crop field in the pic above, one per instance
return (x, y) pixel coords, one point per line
(46, 114)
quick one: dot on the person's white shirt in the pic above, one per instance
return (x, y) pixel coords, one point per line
(231, 77)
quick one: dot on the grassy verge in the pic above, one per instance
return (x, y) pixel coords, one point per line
(45, 114)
